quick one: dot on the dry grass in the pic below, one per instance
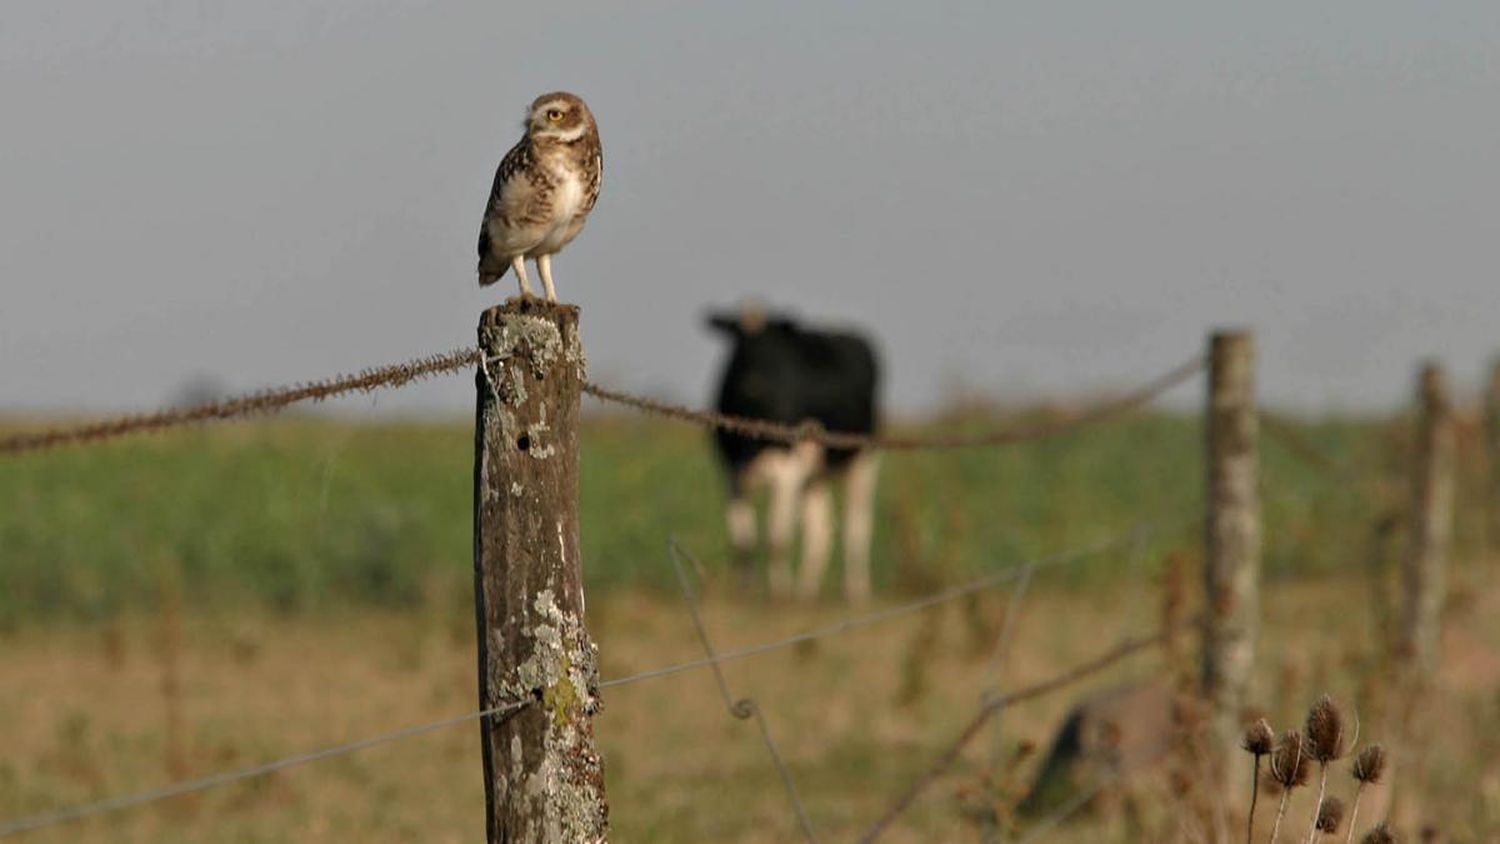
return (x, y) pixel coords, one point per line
(87, 717)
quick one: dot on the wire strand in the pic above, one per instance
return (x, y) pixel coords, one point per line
(267, 401)
(1298, 444)
(1127, 647)
(743, 708)
(979, 584)
(780, 432)
(276, 399)
(75, 813)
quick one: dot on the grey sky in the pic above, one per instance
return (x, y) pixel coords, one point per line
(1042, 196)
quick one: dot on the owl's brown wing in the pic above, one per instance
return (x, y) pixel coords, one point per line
(499, 207)
(595, 170)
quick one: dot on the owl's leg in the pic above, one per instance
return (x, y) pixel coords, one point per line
(518, 264)
(544, 266)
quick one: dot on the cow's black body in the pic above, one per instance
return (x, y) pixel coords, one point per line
(784, 372)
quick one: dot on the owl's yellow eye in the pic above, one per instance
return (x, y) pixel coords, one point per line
(554, 115)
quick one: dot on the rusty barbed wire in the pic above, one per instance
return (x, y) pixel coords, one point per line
(1298, 444)
(779, 432)
(275, 399)
(264, 401)
(1127, 647)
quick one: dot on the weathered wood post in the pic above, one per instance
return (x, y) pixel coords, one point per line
(1431, 521)
(1232, 537)
(1492, 448)
(543, 777)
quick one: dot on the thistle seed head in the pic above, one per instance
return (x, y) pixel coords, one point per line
(1330, 815)
(1259, 739)
(1381, 833)
(1369, 765)
(1325, 730)
(1291, 764)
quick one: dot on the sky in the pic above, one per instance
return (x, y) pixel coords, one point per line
(1024, 199)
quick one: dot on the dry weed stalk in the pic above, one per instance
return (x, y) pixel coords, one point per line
(1325, 743)
(1290, 767)
(1369, 767)
(1259, 741)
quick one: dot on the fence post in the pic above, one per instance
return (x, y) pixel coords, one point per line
(1431, 521)
(1232, 538)
(1492, 446)
(543, 777)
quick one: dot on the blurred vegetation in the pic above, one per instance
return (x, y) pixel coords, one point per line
(301, 514)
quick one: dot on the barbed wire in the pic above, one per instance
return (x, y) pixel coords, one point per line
(1127, 647)
(115, 804)
(979, 584)
(780, 432)
(53, 818)
(743, 708)
(1304, 449)
(266, 401)
(275, 399)
(998, 655)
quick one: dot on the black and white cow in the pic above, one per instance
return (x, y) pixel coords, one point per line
(785, 372)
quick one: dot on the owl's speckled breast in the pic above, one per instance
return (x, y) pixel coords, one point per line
(568, 204)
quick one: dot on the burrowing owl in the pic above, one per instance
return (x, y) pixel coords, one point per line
(543, 191)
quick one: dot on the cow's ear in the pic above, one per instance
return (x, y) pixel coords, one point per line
(727, 323)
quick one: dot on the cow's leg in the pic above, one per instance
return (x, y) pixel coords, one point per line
(817, 536)
(788, 476)
(740, 514)
(781, 522)
(859, 521)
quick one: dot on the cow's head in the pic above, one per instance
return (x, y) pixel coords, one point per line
(751, 320)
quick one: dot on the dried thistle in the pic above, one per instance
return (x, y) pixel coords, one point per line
(1325, 730)
(1290, 766)
(1369, 765)
(1259, 739)
(1330, 815)
(1381, 833)
(1325, 743)
(1291, 763)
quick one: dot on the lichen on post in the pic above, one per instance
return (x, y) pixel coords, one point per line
(544, 778)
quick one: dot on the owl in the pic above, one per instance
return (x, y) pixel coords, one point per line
(544, 190)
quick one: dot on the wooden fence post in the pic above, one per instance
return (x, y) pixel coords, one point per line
(1492, 447)
(1232, 539)
(1431, 521)
(543, 777)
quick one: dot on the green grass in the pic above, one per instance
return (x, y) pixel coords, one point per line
(299, 514)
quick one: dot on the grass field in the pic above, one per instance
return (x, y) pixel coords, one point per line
(301, 515)
(182, 605)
